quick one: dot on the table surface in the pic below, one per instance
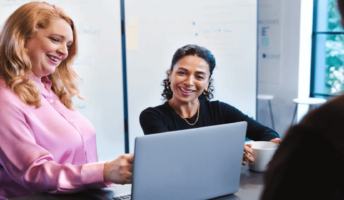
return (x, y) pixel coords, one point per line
(251, 186)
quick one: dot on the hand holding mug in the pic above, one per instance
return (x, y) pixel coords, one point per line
(247, 157)
(276, 140)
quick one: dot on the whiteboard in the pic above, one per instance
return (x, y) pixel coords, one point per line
(99, 64)
(155, 29)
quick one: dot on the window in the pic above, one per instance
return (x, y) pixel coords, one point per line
(327, 77)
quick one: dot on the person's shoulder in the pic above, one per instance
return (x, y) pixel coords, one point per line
(10, 103)
(326, 114)
(336, 102)
(217, 104)
(163, 108)
(3, 83)
(335, 105)
(7, 96)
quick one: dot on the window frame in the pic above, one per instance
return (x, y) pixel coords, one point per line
(315, 33)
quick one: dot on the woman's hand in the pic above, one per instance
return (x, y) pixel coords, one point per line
(120, 170)
(247, 155)
(276, 140)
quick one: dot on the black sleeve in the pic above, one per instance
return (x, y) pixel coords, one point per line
(152, 122)
(255, 130)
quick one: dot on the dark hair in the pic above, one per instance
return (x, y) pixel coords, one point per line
(340, 5)
(193, 50)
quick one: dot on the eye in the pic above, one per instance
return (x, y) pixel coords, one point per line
(55, 40)
(200, 77)
(181, 72)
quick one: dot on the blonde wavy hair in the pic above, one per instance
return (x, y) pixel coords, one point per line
(15, 63)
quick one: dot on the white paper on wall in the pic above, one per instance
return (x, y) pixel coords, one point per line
(269, 41)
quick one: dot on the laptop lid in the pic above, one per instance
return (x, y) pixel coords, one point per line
(199, 163)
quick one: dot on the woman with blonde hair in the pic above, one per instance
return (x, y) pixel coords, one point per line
(45, 145)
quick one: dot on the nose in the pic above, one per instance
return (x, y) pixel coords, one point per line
(189, 80)
(63, 50)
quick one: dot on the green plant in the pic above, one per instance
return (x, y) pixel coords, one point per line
(334, 78)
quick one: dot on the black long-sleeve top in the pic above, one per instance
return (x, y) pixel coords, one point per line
(163, 119)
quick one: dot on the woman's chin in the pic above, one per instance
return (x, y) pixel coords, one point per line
(188, 99)
(49, 71)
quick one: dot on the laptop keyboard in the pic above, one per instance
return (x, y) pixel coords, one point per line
(124, 197)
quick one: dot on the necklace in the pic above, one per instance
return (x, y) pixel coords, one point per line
(191, 124)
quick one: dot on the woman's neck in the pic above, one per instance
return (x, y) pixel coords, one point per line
(33, 76)
(185, 110)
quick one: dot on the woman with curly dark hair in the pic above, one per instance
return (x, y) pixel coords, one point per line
(188, 90)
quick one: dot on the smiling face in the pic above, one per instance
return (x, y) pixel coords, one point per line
(189, 78)
(47, 48)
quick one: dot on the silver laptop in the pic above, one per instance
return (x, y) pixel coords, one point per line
(199, 163)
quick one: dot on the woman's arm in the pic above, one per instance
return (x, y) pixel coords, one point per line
(151, 122)
(255, 130)
(32, 166)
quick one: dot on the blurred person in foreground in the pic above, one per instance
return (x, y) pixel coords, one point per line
(45, 144)
(309, 164)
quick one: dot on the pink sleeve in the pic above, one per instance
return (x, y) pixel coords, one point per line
(32, 166)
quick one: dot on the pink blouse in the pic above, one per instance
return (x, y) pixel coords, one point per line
(47, 149)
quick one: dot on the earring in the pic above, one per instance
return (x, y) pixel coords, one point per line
(205, 92)
(167, 83)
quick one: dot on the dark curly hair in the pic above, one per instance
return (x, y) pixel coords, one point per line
(194, 50)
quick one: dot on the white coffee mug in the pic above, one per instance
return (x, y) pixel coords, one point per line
(262, 154)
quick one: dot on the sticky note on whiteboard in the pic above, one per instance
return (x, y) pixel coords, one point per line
(132, 44)
(132, 21)
(132, 32)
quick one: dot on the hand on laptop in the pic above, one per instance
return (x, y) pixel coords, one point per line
(276, 140)
(120, 170)
(247, 155)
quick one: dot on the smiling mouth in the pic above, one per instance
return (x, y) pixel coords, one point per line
(186, 91)
(53, 58)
